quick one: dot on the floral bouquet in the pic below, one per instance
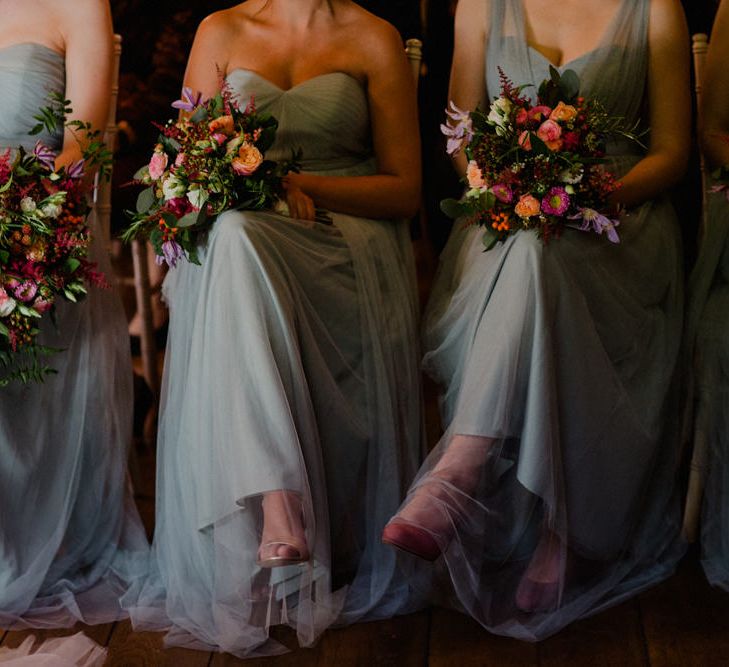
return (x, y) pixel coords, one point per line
(44, 241)
(209, 161)
(536, 166)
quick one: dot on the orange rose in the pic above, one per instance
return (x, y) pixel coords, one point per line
(249, 158)
(223, 124)
(563, 112)
(527, 206)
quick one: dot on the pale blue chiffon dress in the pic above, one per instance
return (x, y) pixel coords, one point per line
(565, 355)
(708, 342)
(292, 363)
(70, 536)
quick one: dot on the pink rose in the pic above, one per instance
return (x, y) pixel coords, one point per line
(157, 165)
(248, 160)
(525, 140)
(220, 138)
(180, 159)
(563, 112)
(474, 175)
(527, 206)
(224, 124)
(549, 131)
(522, 117)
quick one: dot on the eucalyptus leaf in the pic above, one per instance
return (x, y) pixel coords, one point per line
(455, 208)
(189, 219)
(489, 240)
(145, 200)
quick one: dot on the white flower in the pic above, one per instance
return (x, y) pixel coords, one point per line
(7, 303)
(27, 205)
(499, 114)
(197, 198)
(571, 176)
(51, 210)
(172, 188)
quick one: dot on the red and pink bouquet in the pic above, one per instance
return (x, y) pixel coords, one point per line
(44, 243)
(211, 160)
(536, 166)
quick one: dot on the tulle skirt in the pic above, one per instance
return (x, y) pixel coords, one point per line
(552, 491)
(291, 366)
(70, 536)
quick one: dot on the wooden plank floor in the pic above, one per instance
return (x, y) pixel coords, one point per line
(681, 623)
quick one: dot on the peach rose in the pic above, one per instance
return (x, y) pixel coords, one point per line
(475, 175)
(222, 124)
(248, 160)
(563, 112)
(527, 206)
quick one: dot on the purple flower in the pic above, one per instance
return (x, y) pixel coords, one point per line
(26, 290)
(173, 253)
(503, 193)
(75, 169)
(44, 155)
(458, 128)
(189, 100)
(556, 202)
(597, 222)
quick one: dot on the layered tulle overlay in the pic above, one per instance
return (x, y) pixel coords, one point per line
(707, 328)
(552, 490)
(291, 372)
(70, 536)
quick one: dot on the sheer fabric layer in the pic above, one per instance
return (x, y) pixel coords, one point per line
(559, 359)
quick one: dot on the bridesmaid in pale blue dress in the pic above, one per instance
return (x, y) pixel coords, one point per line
(290, 417)
(552, 493)
(70, 537)
(708, 315)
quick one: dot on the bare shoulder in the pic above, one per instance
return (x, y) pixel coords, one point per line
(667, 20)
(225, 24)
(81, 14)
(377, 42)
(473, 14)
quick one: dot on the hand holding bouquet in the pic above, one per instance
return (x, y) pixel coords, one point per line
(536, 166)
(44, 242)
(209, 161)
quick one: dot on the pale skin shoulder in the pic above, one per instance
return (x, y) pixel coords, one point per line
(714, 116)
(355, 42)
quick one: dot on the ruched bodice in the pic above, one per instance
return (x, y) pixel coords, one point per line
(311, 120)
(28, 73)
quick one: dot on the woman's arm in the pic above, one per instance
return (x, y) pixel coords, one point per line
(467, 87)
(209, 55)
(394, 192)
(88, 39)
(670, 107)
(714, 116)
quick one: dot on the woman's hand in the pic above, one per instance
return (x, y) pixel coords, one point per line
(301, 206)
